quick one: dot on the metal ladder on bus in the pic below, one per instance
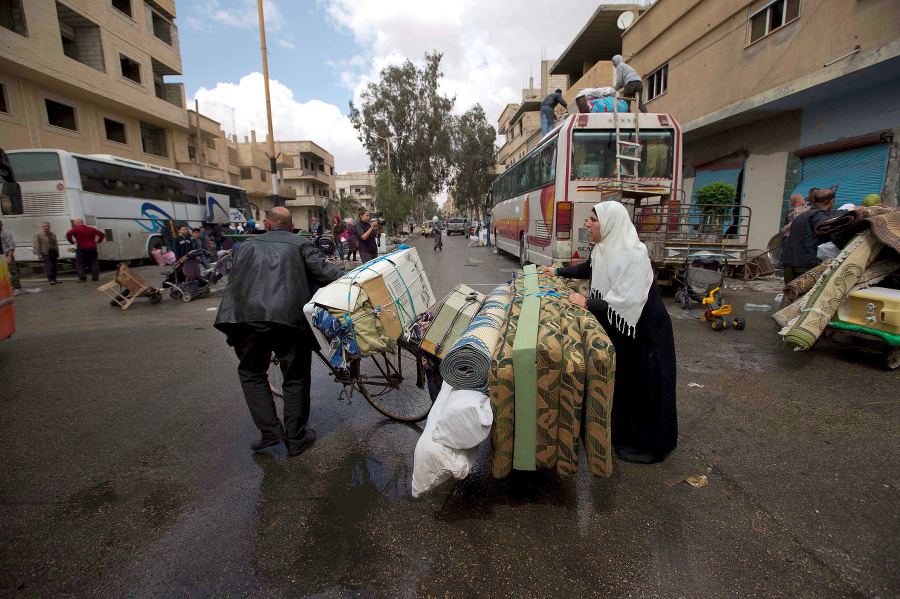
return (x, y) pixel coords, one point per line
(627, 150)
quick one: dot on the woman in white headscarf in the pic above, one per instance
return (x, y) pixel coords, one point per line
(627, 303)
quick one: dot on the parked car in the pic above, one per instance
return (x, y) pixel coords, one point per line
(457, 225)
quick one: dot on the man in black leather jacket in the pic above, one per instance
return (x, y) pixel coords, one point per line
(262, 313)
(803, 241)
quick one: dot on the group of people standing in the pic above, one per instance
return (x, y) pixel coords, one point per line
(46, 249)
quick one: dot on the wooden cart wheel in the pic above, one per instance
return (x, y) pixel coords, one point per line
(891, 358)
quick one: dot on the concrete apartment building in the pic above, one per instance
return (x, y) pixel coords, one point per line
(204, 152)
(308, 177)
(359, 184)
(776, 97)
(89, 76)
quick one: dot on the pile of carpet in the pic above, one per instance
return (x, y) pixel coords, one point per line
(871, 256)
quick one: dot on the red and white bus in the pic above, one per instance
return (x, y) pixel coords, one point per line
(540, 204)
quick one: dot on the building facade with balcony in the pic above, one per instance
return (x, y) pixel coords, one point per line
(359, 184)
(310, 178)
(203, 151)
(777, 96)
(88, 76)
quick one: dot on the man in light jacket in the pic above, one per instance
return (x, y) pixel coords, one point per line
(627, 78)
(46, 248)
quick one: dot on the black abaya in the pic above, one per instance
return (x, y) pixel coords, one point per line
(644, 419)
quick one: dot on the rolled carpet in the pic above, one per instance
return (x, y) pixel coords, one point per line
(802, 284)
(824, 298)
(852, 218)
(467, 363)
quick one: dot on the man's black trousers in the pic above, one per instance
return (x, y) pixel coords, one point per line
(254, 344)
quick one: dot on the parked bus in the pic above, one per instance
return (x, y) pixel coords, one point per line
(126, 199)
(10, 205)
(540, 204)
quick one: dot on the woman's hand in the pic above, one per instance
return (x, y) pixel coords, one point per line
(549, 271)
(578, 300)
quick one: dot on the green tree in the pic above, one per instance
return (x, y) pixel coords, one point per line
(405, 104)
(393, 202)
(716, 200)
(346, 204)
(473, 159)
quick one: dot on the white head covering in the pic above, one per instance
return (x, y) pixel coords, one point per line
(848, 206)
(620, 267)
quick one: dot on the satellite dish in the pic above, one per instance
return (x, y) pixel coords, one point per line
(625, 19)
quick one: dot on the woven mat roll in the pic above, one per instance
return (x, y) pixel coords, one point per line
(823, 300)
(468, 362)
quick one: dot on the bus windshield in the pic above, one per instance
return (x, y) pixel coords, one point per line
(594, 154)
(36, 166)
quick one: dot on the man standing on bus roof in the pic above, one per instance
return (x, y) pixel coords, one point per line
(85, 240)
(46, 248)
(8, 247)
(629, 79)
(547, 106)
(262, 313)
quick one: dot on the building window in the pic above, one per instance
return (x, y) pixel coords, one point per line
(115, 131)
(4, 100)
(245, 173)
(130, 69)
(657, 82)
(12, 16)
(162, 28)
(235, 180)
(80, 38)
(61, 115)
(124, 6)
(211, 144)
(332, 170)
(170, 92)
(262, 175)
(322, 168)
(772, 17)
(153, 140)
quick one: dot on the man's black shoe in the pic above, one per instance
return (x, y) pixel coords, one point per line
(308, 440)
(263, 443)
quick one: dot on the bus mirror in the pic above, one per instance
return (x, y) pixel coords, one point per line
(10, 198)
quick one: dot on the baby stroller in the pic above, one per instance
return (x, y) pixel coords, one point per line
(180, 286)
(326, 245)
(703, 272)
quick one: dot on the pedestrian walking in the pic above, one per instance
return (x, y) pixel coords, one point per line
(548, 105)
(365, 234)
(8, 247)
(46, 248)
(315, 228)
(218, 232)
(182, 243)
(438, 238)
(262, 314)
(628, 81)
(352, 240)
(85, 240)
(339, 232)
(627, 304)
(197, 244)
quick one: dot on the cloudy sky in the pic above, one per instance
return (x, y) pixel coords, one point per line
(323, 52)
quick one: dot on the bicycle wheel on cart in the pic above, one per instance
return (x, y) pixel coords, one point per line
(395, 384)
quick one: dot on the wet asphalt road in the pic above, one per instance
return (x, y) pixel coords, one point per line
(126, 472)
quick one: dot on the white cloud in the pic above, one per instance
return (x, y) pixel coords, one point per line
(490, 48)
(241, 107)
(286, 44)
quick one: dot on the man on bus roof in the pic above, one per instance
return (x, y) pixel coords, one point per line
(627, 78)
(547, 107)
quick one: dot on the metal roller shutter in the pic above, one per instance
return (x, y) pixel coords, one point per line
(852, 174)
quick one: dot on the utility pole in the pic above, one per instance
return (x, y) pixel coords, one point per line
(272, 157)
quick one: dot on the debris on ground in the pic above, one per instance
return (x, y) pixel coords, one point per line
(697, 385)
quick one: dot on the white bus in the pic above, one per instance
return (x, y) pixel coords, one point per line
(540, 203)
(126, 199)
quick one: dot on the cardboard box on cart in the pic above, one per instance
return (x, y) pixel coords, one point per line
(395, 283)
